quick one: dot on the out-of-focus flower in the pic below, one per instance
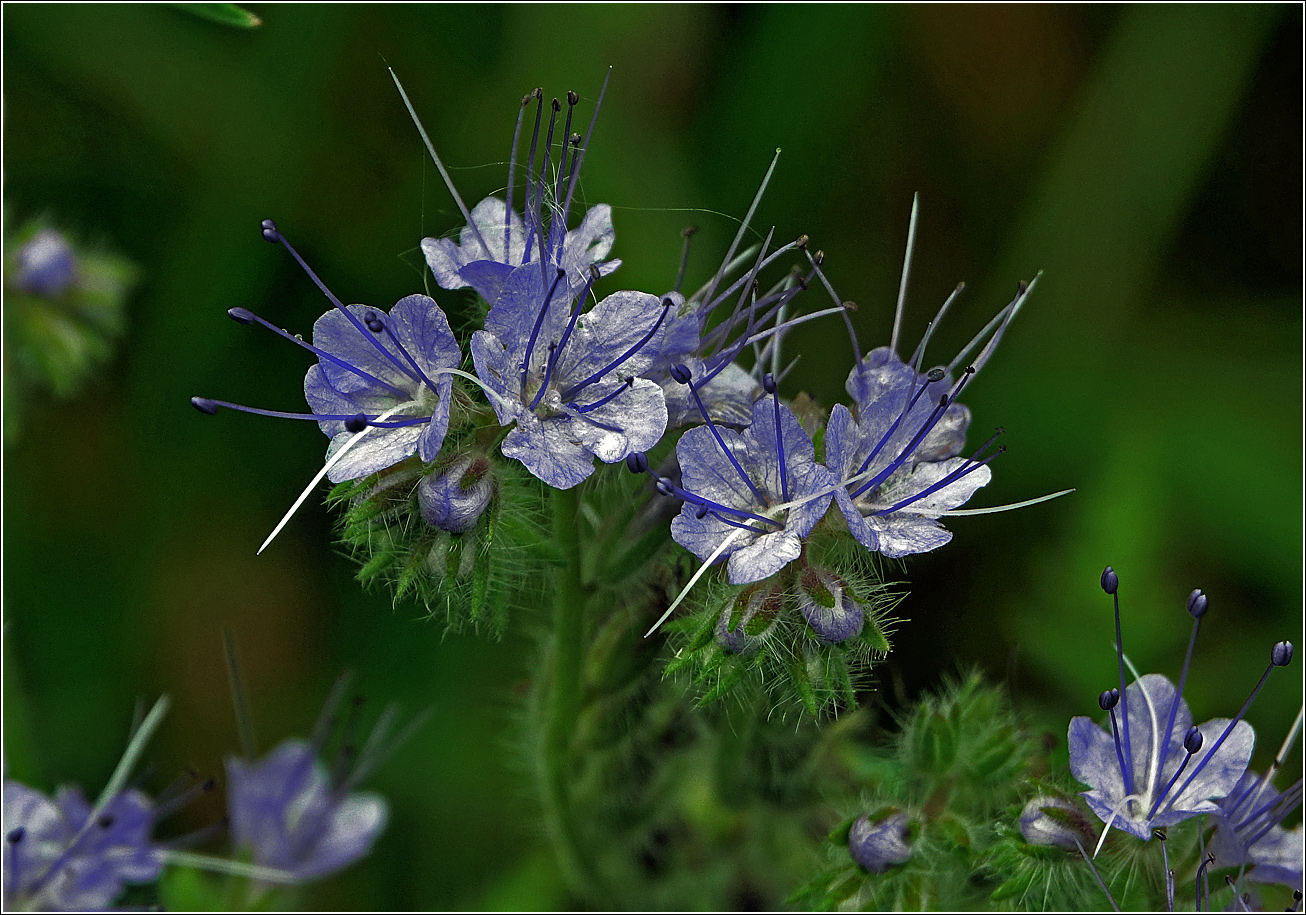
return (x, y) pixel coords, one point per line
(291, 815)
(57, 858)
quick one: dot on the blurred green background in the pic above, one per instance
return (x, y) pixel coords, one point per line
(1147, 159)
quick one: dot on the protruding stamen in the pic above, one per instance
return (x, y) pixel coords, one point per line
(667, 488)
(535, 331)
(637, 462)
(945, 401)
(973, 463)
(585, 144)
(919, 356)
(743, 227)
(572, 100)
(15, 835)
(1111, 585)
(769, 385)
(531, 212)
(1093, 867)
(354, 422)
(512, 177)
(1192, 744)
(1159, 835)
(843, 309)
(1280, 656)
(1204, 898)
(666, 308)
(555, 353)
(378, 326)
(687, 233)
(680, 372)
(1197, 607)
(271, 233)
(1107, 700)
(603, 401)
(554, 107)
(245, 316)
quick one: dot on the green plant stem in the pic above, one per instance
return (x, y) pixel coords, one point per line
(562, 703)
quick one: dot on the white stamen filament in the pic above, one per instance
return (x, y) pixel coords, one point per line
(326, 468)
(694, 580)
(906, 271)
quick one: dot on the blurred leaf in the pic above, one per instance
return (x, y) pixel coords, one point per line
(223, 13)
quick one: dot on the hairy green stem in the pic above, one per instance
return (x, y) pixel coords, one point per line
(563, 700)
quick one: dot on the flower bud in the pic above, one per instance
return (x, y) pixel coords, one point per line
(878, 842)
(748, 620)
(1054, 821)
(454, 498)
(826, 605)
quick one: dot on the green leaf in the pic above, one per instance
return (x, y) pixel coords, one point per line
(222, 13)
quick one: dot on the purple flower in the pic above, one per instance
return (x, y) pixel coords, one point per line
(1248, 831)
(1150, 766)
(453, 498)
(381, 389)
(497, 240)
(897, 458)
(751, 496)
(287, 811)
(388, 369)
(569, 381)
(45, 265)
(1159, 757)
(57, 858)
(879, 842)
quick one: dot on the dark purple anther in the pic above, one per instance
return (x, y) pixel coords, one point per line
(1197, 604)
(241, 315)
(204, 405)
(14, 836)
(936, 374)
(1281, 654)
(680, 372)
(637, 462)
(768, 383)
(373, 322)
(1110, 581)
(1108, 699)
(664, 487)
(1193, 741)
(356, 423)
(270, 231)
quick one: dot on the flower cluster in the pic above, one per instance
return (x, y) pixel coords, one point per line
(790, 499)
